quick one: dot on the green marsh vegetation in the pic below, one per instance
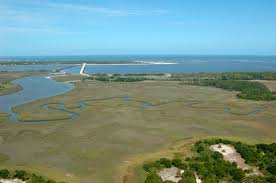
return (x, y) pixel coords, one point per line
(233, 81)
(7, 87)
(108, 133)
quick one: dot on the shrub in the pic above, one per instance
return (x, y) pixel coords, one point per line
(166, 162)
(21, 174)
(4, 173)
(237, 174)
(179, 164)
(199, 147)
(188, 177)
(248, 153)
(153, 178)
(211, 166)
(248, 90)
(25, 176)
(272, 168)
(271, 179)
(176, 162)
(151, 166)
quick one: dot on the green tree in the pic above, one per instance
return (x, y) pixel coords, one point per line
(21, 174)
(188, 177)
(4, 173)
(153, 178)
(179, 164)
(166, 162)
(272, 168)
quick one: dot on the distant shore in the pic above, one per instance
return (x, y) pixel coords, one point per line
(134, 63)
(11, 63)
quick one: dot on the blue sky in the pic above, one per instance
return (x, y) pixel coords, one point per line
(100, 27)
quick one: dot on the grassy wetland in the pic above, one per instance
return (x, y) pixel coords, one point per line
(103, 131)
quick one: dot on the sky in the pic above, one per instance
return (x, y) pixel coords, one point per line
(119, 27)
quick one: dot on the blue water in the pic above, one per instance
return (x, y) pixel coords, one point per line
(38, 87)
(31, 67)
(183, 68)
(34, 88)
(189, 67)
(184, 64)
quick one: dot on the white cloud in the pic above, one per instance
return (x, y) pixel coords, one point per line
(79, 8)
(48, 16)
(106, 11)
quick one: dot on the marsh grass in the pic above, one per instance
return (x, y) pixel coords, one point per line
(115, 135)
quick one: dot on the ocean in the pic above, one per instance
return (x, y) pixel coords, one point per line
(155, 63)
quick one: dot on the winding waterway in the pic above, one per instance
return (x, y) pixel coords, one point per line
(60, 107)
(41, 87)
(34, 88)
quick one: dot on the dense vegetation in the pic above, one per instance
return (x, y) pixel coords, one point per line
(234, 81)
(146, 74)
(248, 90)
(25, 176)
(227, 76)
(186, 77)
(116, 78)
(211, 167)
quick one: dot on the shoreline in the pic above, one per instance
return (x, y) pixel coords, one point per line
(109, 121)
(13, 88)
(6, 63)
(137, 64)
(88, 63)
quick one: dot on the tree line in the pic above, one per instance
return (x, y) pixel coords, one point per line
(116, 78)
(24, 176)
(248, 89)
(211, 167)
(227, 76)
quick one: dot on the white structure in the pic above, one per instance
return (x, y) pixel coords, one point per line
(82, 69)
(11, 181)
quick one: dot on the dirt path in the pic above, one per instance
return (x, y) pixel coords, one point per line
(11, 181)
(230, 154)
(169, 174)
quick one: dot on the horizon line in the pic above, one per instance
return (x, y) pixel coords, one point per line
(72, 55)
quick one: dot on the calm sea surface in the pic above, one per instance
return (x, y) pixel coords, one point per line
(183, 64)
